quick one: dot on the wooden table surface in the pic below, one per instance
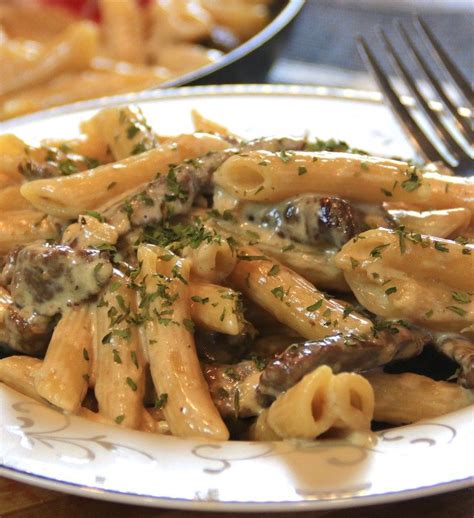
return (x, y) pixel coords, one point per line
(23, 501)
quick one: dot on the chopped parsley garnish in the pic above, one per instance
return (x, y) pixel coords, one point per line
(390, 290)
(161, 400)
(288, 248)
(134, 358)
(413, 181)
(285, 156)
(354, 263)
(315, 306)
(67, 167)
(200, 300)
(377, 251)
(117, 358)
(119, 419)
(132, 130)
(188, 324)
(274, 270)
(462, 297)
(96, 215)
(131, 384)
(440, 247)
(278, 292)
(302, 170)
(347, 311)
(139, 148)
(252, 258)
(455, 309)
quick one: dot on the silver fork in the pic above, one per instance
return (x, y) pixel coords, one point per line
(425, 144)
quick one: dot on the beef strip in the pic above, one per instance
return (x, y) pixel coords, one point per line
(341, 354)
(48, 278)
(175, 192)
(24, 331)
(309, 219)
(232, 387)
(461, 350)
(222, 348)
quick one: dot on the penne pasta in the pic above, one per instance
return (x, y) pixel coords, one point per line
(411, 276)
(119, 377)
(18, 372)
(216, 308)
(447, 223)
(291, 299)
(212, 262)
(124, 130)
(20, 227)
(406, 398)
(321, 401)
(63, 377)
(72, 51)
(189, 410)
(271, 177)
(122, 28)
(70, 196)
(167, 295)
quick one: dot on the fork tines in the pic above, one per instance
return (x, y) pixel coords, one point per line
(420, 138)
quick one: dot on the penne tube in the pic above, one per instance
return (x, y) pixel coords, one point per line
(243, 21)
(72, 50)
(319, 402)
(12, 152)
(124, 130)
(406, 398)
(88, 84)
(439, 223)
(314, 263)
(19, 227)
(18, 372)
(12, 199)
(175, 369)
(70, 196)
(86, 145)
(291, 299)
(269, 177)
(398, 274)
(216, 308)
(205, 125)
(63, 377)
(119, 376)
(212, 262)
(181, 58)
(122, 28)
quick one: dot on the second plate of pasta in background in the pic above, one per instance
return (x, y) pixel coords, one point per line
(52, 55)
(44, 447)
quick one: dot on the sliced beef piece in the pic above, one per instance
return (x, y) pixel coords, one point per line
(352, 354)
(461, 350)
(48, 278)
(232, 387)
(221, 348)
(309, 219)
(24, 331)
(174, 194)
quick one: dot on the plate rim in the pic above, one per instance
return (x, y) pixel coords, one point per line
(111, 495)
(254, 89)
(186, 503)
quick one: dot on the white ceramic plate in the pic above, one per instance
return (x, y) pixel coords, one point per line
(40, 446)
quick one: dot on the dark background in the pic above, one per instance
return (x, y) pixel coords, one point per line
(320, 47)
